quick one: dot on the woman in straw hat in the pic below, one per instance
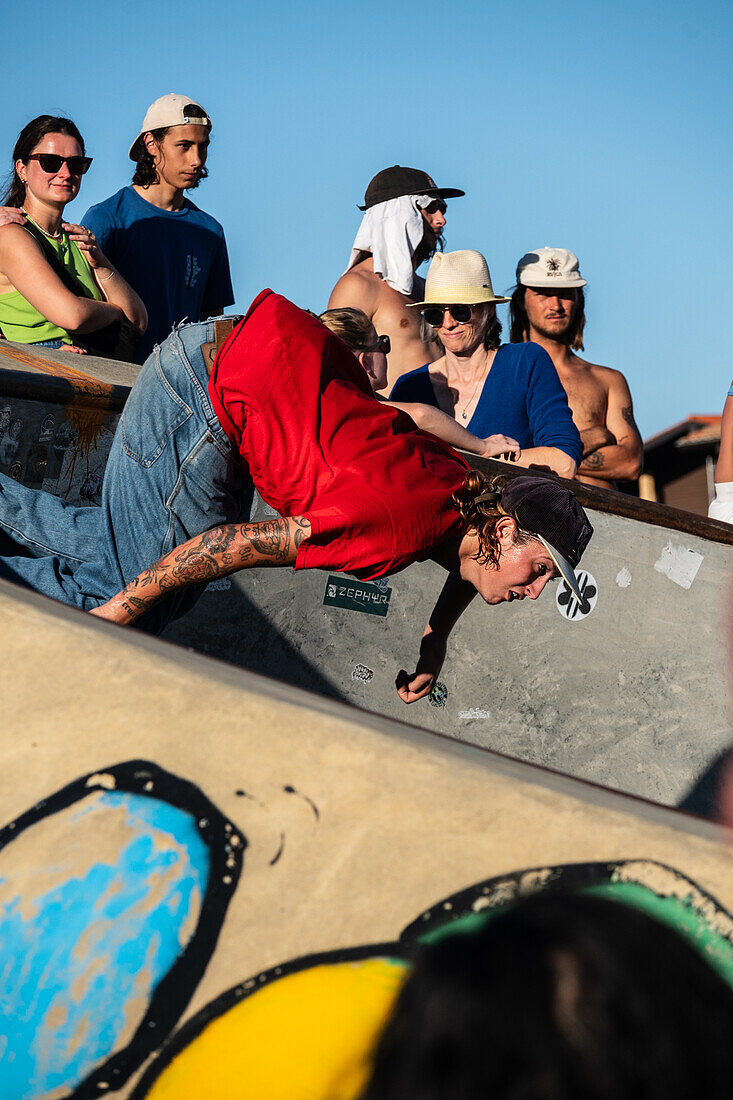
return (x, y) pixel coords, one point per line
(355, 486)
(360, 336)
(488, 387)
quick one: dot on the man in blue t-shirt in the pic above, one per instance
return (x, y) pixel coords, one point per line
(172, 253)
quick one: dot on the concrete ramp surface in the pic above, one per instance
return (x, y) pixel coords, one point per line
(629, 690)
(203, 870)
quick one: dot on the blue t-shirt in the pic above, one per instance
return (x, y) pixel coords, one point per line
(176, 260)
(522, 397)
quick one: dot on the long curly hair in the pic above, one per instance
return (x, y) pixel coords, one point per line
(28, 138)
(478, 502)
(519, 324)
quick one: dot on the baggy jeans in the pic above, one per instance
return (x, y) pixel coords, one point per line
(172, 473)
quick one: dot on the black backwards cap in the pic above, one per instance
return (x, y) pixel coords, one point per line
(547, 509)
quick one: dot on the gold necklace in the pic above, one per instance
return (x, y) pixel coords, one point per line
(52, 236)
(475, 388)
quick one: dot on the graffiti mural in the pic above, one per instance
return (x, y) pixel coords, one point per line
(104, 940)
(306, 1028)
(100, 953)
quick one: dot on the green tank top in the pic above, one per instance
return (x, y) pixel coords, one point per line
(21, 321)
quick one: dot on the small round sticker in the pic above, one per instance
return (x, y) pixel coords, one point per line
(567, 602)
(438, 696)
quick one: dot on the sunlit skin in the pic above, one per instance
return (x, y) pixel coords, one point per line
(434, 218)
(523, 571)
(23, 267)
(550, 311)
(599, 397)
(431, 419)
(374, 363)
(47, 195)
(362, 289)
(464, 340)
(179, 159)
(458, 378)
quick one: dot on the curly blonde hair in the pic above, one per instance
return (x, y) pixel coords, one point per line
(479, 505)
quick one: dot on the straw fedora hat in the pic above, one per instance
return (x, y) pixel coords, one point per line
(458, 278)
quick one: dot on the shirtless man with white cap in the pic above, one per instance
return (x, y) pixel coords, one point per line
(401, 228)
(548, 307)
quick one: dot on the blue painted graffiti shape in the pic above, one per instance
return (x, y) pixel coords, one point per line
(112, 895)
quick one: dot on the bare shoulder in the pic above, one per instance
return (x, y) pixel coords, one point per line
(14, 236)
(16, 242)
(609, 377)
(358, 288)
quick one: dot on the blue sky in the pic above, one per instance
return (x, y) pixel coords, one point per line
(601, 128)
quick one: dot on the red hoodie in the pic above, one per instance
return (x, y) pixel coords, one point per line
(299, 409)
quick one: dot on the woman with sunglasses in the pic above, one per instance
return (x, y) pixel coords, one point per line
(484, 385)
(354, 328)
(55, 283)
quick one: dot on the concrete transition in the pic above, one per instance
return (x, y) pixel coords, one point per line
(629, 690)
(209, 879)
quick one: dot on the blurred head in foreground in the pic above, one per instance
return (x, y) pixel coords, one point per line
(559, 997)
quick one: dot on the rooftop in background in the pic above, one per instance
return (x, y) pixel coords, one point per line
(679, 464)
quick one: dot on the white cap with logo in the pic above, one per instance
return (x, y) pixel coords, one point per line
(171, 110)
(549, 267)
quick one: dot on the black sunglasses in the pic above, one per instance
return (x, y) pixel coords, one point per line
(434, 314)
(51, 163)
(383, 344)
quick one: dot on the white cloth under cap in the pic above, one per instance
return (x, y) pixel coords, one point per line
(391, 231)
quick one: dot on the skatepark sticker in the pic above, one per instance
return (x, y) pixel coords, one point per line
(567, 601)
(357, 596)
(438, 696)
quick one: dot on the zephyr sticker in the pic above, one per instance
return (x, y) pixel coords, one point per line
(567, 601)
(357, 596)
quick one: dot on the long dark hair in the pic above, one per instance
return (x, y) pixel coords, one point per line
(28, 139)
(560, 997)
(519, 324)
(146, 174)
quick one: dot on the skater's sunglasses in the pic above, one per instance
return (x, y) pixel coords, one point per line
(51, 163)
(434, 314)
(383, 344)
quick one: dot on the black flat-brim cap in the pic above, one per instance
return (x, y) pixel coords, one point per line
(396, 181)
(551, 512)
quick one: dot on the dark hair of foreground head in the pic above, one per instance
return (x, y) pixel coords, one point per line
(561, 997)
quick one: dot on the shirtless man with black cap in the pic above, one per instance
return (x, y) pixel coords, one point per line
(401, 228)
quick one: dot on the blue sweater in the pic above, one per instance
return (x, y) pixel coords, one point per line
(522, 397)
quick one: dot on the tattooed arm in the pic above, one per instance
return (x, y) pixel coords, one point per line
(622, 458)
(215, 553)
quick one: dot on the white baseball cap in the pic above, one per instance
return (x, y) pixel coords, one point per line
(171, 110)
(549, 267)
